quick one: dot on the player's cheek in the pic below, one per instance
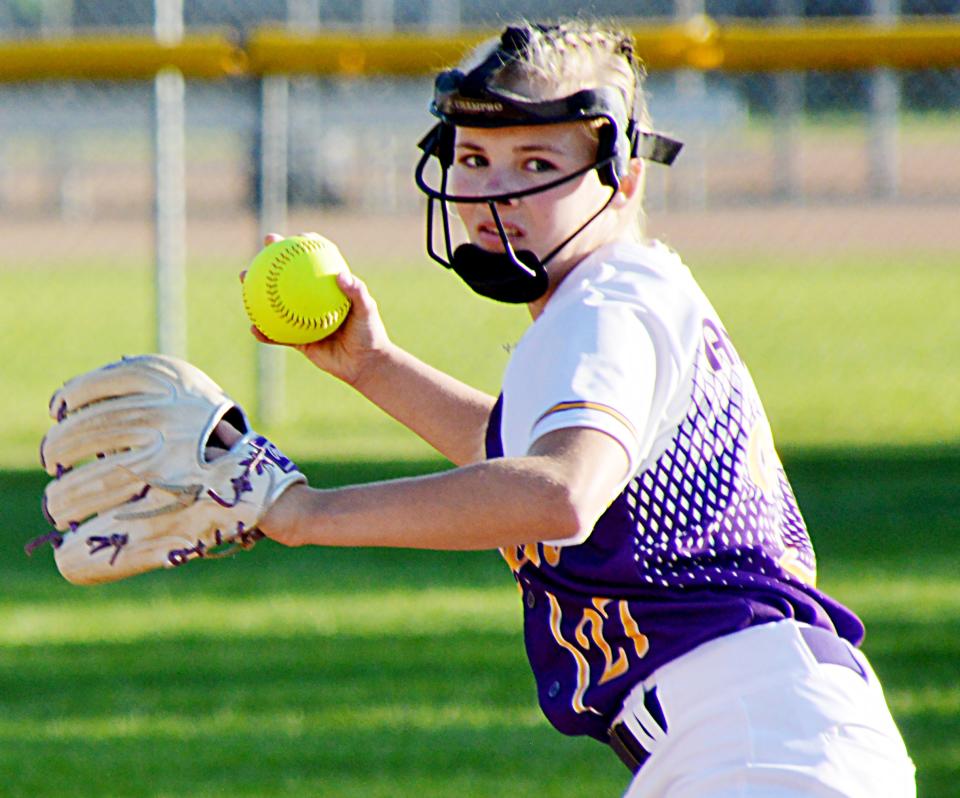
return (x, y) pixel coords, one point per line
(464, 211)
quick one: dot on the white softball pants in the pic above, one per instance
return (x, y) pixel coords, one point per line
(754, 714)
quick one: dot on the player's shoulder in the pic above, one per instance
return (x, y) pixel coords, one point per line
(627, 271)
(648, 280)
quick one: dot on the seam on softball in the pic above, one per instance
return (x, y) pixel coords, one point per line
(276, 303)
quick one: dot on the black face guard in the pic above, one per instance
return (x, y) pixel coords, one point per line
(469, 100)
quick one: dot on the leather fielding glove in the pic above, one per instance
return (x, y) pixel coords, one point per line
(141, 477)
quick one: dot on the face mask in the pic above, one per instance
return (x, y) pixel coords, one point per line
(508, 276)
(513, 277)
(471, 100)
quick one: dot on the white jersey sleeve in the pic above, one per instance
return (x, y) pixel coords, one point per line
(608, 353)
(583, 376)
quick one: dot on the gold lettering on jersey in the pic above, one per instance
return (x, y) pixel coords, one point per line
(615, 664)
(596, 618)
(551, 554)
(641, 644)
(534, 553)
(514, 557)
(583, 667)
(763, 463)
(790, 562)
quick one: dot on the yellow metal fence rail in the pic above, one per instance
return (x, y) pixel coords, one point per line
(700, 44)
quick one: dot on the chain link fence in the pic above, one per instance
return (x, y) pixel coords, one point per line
(43, 17)
(80, 153)
(76, 153)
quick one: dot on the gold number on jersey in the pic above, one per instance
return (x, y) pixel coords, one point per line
(596, 617)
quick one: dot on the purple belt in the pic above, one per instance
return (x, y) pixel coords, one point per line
(826, 647)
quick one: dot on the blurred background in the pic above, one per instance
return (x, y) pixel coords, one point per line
(145, 148)
(870, 156)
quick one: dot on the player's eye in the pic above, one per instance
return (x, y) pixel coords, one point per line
(538, 165)
(474, 161)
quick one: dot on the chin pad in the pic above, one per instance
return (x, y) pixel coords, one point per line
(497, 275)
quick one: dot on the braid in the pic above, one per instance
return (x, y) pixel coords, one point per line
(560, 59)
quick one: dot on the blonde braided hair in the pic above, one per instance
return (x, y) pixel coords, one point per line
(568, 57)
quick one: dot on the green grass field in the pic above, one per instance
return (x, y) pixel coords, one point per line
(399, 673)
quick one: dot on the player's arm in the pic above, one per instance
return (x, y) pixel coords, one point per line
(556, 492)
(448, 414)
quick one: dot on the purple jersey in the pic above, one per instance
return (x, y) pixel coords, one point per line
(705, 541)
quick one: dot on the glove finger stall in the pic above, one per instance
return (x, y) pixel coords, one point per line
(63, 449)
(113, 381)
(105, 550)
(108, 548)
(93, 488)
(120, 424)
(154, 375)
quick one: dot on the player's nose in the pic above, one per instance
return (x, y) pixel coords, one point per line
(498, 182)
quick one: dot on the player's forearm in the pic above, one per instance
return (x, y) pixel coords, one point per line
(448, 414)
(483, 506)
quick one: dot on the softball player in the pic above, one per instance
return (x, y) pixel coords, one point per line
(627, 471)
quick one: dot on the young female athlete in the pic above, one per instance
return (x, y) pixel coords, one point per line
(627, 471)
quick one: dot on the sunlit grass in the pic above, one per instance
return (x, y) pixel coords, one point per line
(190, 728)
(846, 352)
(940, 701)
(385, 673)
(404, 613)
(409, 612)
(915, 599)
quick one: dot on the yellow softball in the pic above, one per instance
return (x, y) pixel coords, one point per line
(290, 291)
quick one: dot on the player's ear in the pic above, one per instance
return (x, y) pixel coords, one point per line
(631, 184)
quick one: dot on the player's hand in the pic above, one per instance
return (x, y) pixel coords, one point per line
(359, 342)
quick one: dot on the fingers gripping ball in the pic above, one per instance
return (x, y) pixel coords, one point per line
(290, 292)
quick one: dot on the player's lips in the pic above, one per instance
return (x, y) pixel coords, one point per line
(488, 232)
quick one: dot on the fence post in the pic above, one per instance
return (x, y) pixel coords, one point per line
(378, 15)
(274, 112)
(170, 189)
(303, 14)
(443, 16)
(56, 17)
(692, 91)
(788, 106)
(885, 114)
